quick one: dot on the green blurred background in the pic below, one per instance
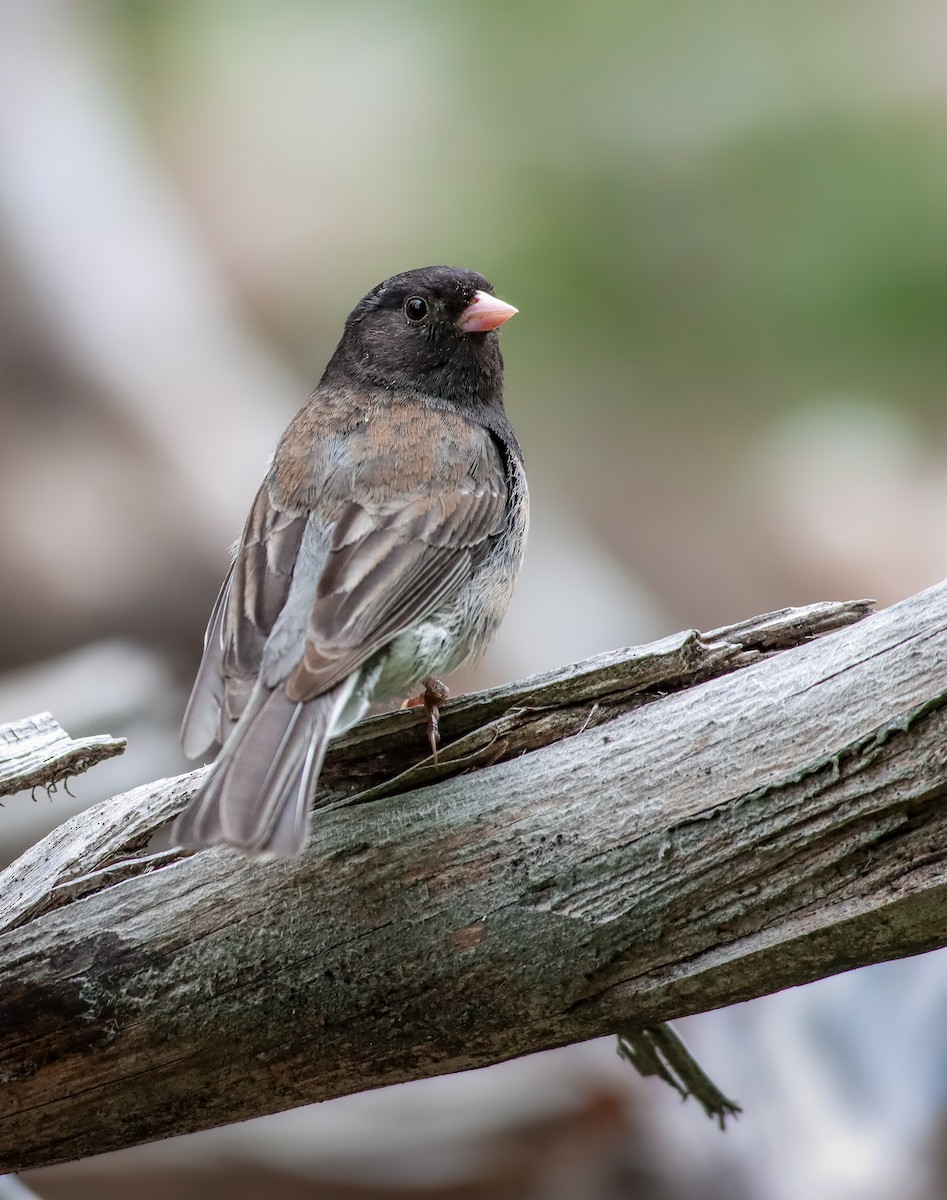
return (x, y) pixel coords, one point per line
(718, 221)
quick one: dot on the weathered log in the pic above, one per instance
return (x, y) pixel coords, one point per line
(655, 833)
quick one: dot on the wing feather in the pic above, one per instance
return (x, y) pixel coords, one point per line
(201, 726)
(250, 600)
(391, 560)
(388, 570)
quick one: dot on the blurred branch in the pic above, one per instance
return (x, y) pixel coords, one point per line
(117, 320)
(653, 833)
(11, 1188)
(122, 277)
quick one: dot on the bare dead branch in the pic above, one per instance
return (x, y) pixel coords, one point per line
(36, 752)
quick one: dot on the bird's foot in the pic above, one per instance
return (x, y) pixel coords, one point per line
(434, 695)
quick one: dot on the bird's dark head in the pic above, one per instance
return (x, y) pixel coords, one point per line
(430, 331)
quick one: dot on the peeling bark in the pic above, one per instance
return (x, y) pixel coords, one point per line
(654, 833)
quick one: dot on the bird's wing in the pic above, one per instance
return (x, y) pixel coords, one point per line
(390, 566)
(262, 575)
(387, 537)
(250, 600)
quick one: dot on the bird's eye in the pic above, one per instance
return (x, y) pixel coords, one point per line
(415, 309)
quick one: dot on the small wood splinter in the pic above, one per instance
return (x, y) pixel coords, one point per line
(434, 695)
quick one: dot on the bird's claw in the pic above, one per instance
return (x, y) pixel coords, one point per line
(434, 695)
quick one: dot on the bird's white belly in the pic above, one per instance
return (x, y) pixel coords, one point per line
(428, 648)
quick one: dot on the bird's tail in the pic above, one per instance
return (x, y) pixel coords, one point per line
(257, 795)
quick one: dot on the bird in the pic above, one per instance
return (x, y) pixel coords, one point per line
(380, 553)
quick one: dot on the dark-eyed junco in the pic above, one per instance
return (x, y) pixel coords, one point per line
(380, 553)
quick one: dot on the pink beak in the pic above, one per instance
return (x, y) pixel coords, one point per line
(483, 313)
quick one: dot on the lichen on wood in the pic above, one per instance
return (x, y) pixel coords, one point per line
(654, 833)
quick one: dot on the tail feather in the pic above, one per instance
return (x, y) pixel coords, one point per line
(258, 793)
